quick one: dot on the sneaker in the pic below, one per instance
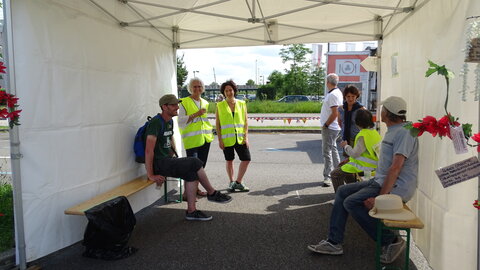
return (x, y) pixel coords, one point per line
(231, 186)
(197, 215)
(391, 252)
(240, 187)
(327, 183)
(219, 197)
(325, 247)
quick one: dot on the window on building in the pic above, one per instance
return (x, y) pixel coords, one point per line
(333, 47)
(369, 44)
(350, 47)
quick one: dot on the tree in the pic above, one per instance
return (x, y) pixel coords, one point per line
(214, 85)
(182, 71)
(250, 82)
(296, 78)
(316, 81)
(273, 87)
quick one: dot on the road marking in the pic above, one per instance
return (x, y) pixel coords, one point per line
(298, 195)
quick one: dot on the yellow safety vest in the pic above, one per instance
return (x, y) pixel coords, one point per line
(199, 131)
(367, 161)
(232, 127)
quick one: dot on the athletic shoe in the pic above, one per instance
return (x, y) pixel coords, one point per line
(326, 183)
(231, 186)
(197, 215)
(391, 252)
(325, 247)
(219, 197)
(240, 187)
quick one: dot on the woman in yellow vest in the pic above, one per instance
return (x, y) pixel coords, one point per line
(193, 123)
(363, 157)
(232, 132)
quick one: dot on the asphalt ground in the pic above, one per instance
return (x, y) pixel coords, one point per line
(266, 228)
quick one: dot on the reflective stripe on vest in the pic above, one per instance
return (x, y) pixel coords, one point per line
(232, 128)
(367, 161)
(199, 131)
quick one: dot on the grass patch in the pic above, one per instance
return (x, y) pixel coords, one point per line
(6, 217)
(277, 107)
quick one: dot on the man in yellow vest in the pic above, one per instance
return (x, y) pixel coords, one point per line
(193, 123)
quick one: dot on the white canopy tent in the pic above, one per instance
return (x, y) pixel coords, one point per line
(88, 73)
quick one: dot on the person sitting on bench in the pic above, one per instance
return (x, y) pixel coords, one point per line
(396, 173)
(161, 163)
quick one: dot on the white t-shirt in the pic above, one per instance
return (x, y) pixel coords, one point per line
(333, 99)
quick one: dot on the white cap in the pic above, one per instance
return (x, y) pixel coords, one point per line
(395, 105)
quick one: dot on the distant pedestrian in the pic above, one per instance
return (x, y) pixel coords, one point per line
(330, 127)
(232, 132)
(347, 111)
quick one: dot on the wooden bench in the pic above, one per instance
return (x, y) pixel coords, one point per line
(398, 226)
(126, 190)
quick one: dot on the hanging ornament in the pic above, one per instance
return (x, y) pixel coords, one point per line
(472, 55)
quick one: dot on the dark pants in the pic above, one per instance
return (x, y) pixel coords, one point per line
(185, 168)
(200, 152)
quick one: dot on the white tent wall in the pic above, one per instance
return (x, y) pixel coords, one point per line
(85, 86)
(436, 32)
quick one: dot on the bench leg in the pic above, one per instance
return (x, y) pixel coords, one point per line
(165, 190)
(378, 246)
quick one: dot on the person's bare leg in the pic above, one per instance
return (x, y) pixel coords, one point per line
(230, 170)
(191, 190)
(203, 179)
(242, 169)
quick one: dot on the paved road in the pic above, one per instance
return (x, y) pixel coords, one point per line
(267, 228)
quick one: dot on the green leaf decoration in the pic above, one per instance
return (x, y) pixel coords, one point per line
(467, 130)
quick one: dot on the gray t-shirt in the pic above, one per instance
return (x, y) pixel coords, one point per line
(398, 140)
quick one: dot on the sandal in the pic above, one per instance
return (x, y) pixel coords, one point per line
(201, 193)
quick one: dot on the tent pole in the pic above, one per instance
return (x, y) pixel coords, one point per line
(14, 140)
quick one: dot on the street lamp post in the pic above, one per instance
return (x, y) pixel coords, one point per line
(194, 72)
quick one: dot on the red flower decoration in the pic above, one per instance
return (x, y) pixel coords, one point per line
(476, 204)
(430, 124)
(2, 214)
(2, 68)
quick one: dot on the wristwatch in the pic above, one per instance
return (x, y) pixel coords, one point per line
(325, 125)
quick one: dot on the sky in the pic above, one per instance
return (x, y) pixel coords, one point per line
(237, 63)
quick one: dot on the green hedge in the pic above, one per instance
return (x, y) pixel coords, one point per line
(6, 217)
(278, 107)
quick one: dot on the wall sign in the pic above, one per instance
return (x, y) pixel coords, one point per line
(459, 172)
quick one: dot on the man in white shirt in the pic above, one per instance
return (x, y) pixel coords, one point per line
(330, 128)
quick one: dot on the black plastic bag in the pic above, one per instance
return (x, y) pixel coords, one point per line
(109, 228)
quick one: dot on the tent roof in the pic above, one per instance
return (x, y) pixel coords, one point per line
(224, 23)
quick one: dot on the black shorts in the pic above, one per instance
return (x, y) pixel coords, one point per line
(185, 168)
(241, 149)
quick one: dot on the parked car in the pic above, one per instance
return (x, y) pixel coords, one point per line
(241, 96)
(294, 98)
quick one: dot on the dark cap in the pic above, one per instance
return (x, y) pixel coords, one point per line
(169, 99)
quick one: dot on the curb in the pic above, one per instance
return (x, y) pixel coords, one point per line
(317, 131)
